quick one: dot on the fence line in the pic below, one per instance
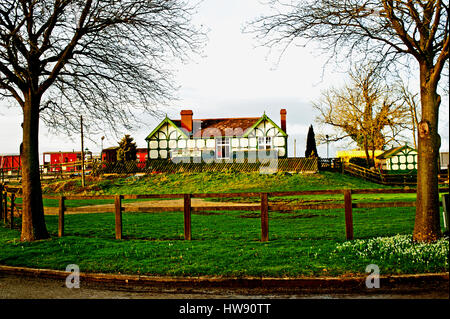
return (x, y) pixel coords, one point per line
(298, 164)
(388, 179)
(264, 207)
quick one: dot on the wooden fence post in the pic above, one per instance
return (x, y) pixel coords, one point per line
(12, 211)
(264, 217)
(187, 216)
(348, 214)
(448, 174)
(5, 206)
(118, 212)
(1, 201)
(62, 208)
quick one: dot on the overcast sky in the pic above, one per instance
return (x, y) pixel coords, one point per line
(234, 79)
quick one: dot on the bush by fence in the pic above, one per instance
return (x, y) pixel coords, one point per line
(361, 162)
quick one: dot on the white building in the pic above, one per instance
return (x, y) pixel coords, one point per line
(218, 139)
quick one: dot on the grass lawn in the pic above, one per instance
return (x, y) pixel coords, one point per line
(301, 243)
(208, 182)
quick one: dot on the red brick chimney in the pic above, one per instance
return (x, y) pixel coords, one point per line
(283, 119)
(186, 120)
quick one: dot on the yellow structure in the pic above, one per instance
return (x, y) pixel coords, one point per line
(346, 155)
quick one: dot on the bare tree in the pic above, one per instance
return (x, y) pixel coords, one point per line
(411, 100)
(385, 31)
(104, 59)
(367, 110)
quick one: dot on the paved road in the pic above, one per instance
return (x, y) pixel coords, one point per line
(20, 287)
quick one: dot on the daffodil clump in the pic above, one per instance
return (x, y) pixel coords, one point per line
(399, 250)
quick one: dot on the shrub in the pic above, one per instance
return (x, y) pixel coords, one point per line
(399, 249)
(361, 162)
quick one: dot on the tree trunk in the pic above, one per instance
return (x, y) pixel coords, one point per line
(427, 223)
(414, 124)
(373, 148)
(373, 157)
(33, 222)
(366, 150)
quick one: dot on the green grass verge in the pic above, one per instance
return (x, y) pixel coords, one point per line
(208, 183)
(301, 243)
(223, 244)
(213, 183)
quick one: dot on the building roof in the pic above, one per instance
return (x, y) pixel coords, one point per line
(238, 127)
(393, 151)
(356, 153)
(226, 126)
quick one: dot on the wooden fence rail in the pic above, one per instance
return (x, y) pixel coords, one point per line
(54, 170)
(264, 206)
(297, 164)
(386, 178)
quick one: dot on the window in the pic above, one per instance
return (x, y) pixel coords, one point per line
(265, 143)
(223, 148)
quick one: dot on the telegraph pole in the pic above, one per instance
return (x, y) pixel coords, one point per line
(82, 153)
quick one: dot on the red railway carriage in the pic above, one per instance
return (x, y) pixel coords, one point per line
(53, 161)
(110, 155)
(10, 162)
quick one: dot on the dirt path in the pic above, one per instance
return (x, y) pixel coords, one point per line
(196, 202)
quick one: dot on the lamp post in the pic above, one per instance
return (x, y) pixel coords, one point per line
(102, 138)
(326, 136)
(101, 151)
